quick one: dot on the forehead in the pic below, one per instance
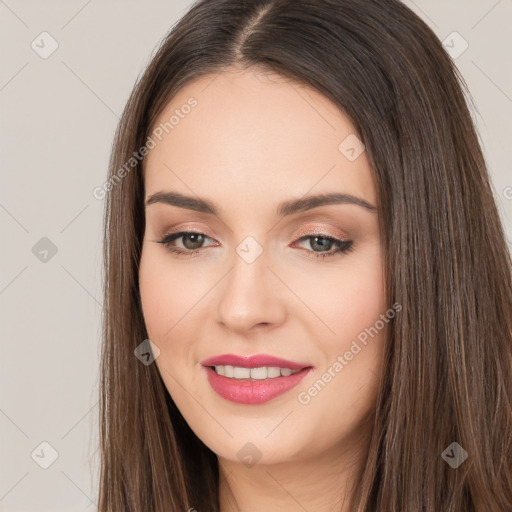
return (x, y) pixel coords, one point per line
(253, 131)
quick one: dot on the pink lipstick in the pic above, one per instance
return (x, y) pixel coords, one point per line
(253, 379)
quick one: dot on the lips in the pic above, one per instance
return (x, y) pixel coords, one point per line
(256, 361)
(250, 391)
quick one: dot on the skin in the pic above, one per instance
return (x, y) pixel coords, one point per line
(253, 140)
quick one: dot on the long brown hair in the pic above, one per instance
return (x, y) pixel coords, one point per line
(448, 366)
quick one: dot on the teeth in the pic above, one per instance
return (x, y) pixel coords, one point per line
(259, 373)
(241, 373)
(264, 372)
(273, 372)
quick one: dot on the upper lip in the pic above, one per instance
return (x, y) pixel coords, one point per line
(255, 361)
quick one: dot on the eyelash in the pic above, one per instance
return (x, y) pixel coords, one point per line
(343, 246)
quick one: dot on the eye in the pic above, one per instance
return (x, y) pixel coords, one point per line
(192, 242)
(322, 245)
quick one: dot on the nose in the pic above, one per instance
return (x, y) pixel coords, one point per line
(251, 297)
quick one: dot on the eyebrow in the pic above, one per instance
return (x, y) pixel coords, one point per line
(285, 208)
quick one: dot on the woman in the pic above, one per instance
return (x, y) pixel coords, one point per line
(308, 291)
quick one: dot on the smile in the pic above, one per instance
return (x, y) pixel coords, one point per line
(264, 372)
(254, 379)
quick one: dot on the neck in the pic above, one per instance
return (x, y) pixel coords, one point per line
(323, 483)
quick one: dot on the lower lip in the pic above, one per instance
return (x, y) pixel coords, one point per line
(251, 392)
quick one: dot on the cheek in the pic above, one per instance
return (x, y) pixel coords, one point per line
(360, 300)
(352, 304)
(166, 294)
(170, 309)
(347, 297)
(157, 300)
(361, 330)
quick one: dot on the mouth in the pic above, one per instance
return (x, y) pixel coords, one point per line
(260, 373)
(255, 379)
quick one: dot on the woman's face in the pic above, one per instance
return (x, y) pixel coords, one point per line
(268, 270)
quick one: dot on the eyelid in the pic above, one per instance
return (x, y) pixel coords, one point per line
(303, 232)
(181, 232)
(188, 229)
(317, 231)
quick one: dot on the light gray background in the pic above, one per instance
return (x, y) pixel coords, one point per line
(58, 117)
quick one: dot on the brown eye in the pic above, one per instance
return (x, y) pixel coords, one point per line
(193, 240)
